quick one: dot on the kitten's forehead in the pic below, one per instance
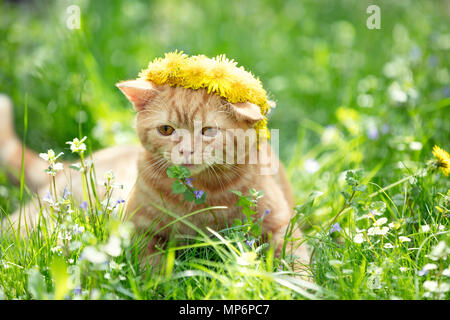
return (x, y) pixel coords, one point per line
(184, 106)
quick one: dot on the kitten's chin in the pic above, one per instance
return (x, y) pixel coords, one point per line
(195, 168)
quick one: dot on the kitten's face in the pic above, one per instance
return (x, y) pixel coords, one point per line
(188, 127)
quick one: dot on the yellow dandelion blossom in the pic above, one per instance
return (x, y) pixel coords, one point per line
(219, 75)
(443, 159)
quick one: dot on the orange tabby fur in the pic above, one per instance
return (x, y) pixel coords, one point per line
(148, 183)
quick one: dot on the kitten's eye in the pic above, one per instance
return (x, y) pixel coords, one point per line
(165, 130)
(209, 131)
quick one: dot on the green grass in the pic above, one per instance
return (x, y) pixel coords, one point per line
(348, 98)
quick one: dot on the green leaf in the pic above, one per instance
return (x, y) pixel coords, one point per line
(307, 206)
(237, 222)
(178, 172)
(188, 195)
(256, 230)
(248, 212)
(173, 172)
(238, 193)
(178, 187)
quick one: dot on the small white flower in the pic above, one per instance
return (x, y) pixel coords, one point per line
(404, 239)
(330, 134)
(403, 269)
(115, 266)
(358, 238)
(113, 247)
(125, 230)
(396, 93)
(439, 251)
(429, 266)
(415, 145)
(425, 228)
(446, 272)
(56, 249)
(434, 286)
(77, 229)
(45, 155)
(110, 175)
(377, 231)
(374, 269)
(65, 235)
(311, 165)
(381, 221)
(93, 255)
(50, 156)
(77, 145)
(388, 245)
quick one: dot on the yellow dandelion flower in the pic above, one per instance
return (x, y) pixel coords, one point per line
(443, 159)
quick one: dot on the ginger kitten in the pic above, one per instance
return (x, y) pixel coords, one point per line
(167, 124)
(163, 110)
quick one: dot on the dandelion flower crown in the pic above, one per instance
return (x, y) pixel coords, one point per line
(218, 75)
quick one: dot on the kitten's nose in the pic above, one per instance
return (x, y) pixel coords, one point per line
(186, 153)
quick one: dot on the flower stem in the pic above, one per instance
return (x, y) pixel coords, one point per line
(390, 186)
(344, 207)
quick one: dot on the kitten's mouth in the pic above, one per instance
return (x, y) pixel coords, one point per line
(194, 168)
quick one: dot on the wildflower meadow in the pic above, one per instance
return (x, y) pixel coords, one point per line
(363, 105)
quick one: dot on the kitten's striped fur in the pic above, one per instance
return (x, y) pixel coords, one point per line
(142, 169)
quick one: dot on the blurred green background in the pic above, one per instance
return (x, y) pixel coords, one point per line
(331, 76)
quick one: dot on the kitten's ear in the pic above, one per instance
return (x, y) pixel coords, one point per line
(247, 111)
(139, 92)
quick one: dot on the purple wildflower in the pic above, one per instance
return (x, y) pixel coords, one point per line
(77, 229)
(198, 194)
(372, 133)
(120, 201)
(266, 212)
(48, 197)
(189, 182)
(446, 91)
(433, 61)
(422, 272)
(335, 227)
(77, 291)
(83, 205)
(250, 242)
(66, 193)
